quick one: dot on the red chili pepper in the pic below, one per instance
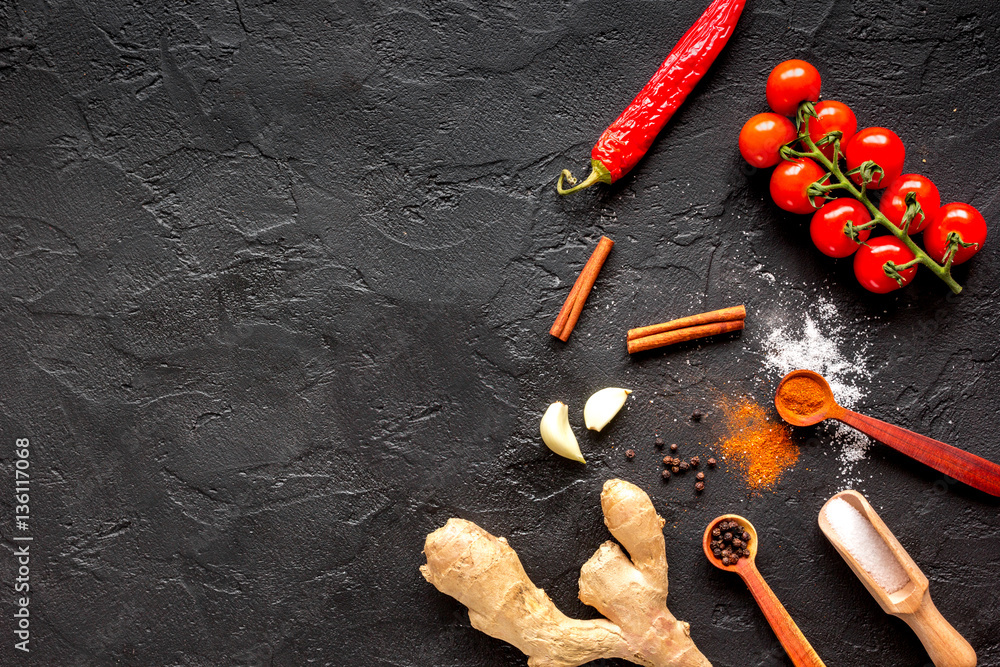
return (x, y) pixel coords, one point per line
(627, 139)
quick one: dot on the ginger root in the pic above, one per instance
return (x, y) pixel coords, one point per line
(484, 573)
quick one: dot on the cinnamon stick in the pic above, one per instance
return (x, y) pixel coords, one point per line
(723, 315)
(682, 335)
(570, 312)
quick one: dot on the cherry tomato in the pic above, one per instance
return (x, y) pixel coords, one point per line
(869, 264)
(789, 182)
(832, 116)
(893, 203)
(880, 145)
(827, 226)
(789, 83)
(965, 221)
(762, 136)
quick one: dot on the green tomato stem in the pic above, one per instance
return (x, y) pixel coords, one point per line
(845, 183)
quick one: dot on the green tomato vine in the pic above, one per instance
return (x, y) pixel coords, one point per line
(836, 179)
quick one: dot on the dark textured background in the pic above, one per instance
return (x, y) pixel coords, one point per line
(275, 289)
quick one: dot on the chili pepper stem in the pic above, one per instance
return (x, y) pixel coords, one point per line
(920, 257)
(599, 174)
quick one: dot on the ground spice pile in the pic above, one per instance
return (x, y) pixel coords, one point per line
(802, 396)
(758, 448)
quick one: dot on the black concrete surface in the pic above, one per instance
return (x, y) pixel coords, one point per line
(275, 288)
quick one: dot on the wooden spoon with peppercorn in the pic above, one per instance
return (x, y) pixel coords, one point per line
(730, 544)
(911, 599)
(804, 398)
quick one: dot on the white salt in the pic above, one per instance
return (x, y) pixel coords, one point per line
(868, 548)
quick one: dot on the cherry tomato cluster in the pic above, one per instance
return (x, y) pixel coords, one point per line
(808, 176)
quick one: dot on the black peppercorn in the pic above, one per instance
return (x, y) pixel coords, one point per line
(711, 462)
(700, 477)
(668, 461)
(675, 469)
(665, 475)
(699, 486)
(697, 415)
(658, 442)
(728, 538)
(673, 447)
(695, 461)
(630, 453)
(716, 553)
(683, 465)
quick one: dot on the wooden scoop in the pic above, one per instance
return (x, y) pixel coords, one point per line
(973, 470)
(795, 643)
(912, 602)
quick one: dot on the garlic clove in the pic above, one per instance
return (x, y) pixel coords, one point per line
(602, 406)
(557, 434)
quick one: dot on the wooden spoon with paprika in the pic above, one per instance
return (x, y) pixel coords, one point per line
(804, 398)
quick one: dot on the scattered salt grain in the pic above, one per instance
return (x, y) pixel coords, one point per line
(868, 548)
(820, 341)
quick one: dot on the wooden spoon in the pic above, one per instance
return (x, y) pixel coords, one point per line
(973, 470)
(795, 643)
(912, 603)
